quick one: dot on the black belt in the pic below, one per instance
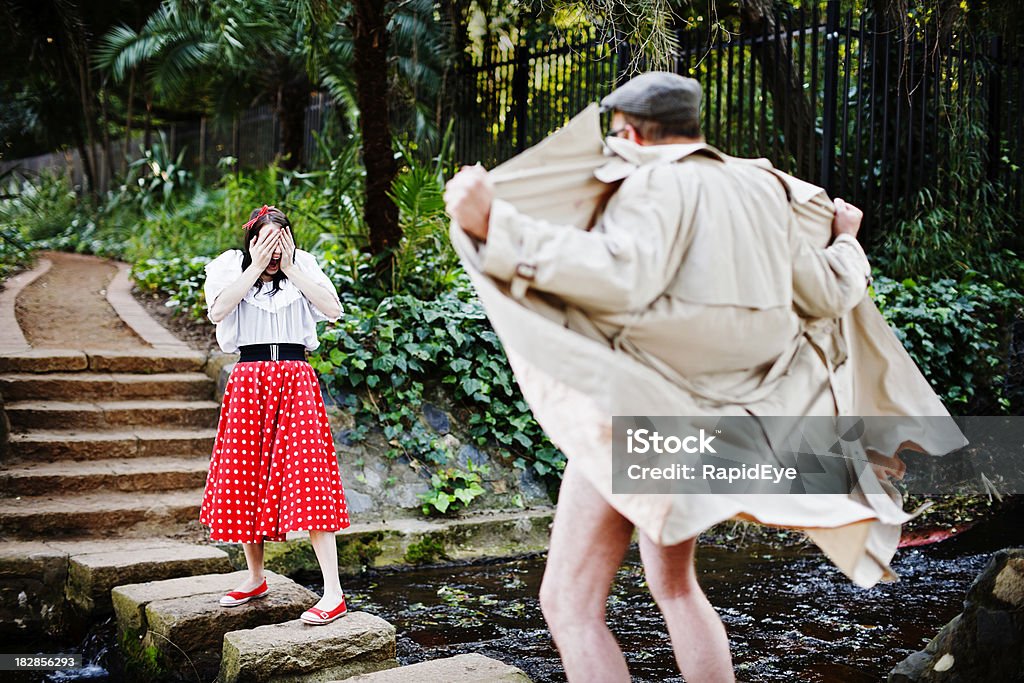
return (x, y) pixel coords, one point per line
(258, 352)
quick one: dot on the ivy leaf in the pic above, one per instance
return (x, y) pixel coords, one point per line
(470, 386)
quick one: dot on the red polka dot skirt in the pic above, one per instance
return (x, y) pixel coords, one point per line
(274, 468)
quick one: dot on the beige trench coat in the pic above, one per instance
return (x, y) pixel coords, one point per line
(697, 292)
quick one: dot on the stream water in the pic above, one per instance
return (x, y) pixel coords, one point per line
(789, 613)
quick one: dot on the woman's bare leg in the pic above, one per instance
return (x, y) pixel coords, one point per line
(588, 542)
(698, 635)
(254, 561)
(327, 555)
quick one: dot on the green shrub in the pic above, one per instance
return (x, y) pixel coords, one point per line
(40, 208)
(452, 489)
(388, 353)
(958, 333)
(181, 278)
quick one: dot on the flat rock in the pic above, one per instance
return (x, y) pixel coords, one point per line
(469, 668)
(92, 575)
(32, 578)
(186, 611)
(40, 580)
(355, 644)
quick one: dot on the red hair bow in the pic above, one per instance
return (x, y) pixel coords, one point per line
(262, 212)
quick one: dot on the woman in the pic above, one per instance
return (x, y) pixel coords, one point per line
(274, 467)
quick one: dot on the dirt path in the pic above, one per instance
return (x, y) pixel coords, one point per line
(67, 307)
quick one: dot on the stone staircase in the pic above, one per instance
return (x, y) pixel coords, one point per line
(103, 458)
(104, 444)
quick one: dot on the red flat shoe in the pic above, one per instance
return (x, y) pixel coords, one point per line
(317, 616)
(236, 598)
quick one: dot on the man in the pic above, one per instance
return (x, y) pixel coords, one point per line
(688, 270)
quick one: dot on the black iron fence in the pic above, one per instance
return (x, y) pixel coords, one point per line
(874, 113)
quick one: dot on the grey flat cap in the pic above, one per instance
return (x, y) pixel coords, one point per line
(659, 95)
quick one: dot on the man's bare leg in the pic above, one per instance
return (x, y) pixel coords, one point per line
(698, 635)
(588, 542)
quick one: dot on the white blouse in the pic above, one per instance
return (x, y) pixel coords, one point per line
(285, 317)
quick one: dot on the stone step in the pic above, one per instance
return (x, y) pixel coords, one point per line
(357, 643)
(133, 474)
(468, 668)
(51, 445)
(82, 386)
(40, 581)
(146, 361)
(110, 414)
(98, 513)
(44, 360)
(182, 618)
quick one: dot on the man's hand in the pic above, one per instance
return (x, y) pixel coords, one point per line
(847, 219)
(468, 197)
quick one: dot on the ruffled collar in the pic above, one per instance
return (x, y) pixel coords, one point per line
(276, 301)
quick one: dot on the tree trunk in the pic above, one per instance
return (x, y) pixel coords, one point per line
(786, 88)
(370, 64)
(455, 12)
(88, 118)
(126, 148)
(147, 127)
(291, 112)
(108, 153)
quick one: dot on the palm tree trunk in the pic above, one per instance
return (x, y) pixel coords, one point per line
(89, 151)
(108, 154)
(370, 64)
(126, 147)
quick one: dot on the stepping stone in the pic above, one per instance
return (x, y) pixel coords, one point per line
(81, 386)
(91, 575)
(32, 579)
(39, 580)
(50, 445)
(470, 668)
(355, 644)
(181, 618)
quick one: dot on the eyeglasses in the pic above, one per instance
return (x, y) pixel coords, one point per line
(616, 132)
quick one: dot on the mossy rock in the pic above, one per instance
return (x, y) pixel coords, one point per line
(430, 549)
(358, 551)
(290, 558)
(141, 660)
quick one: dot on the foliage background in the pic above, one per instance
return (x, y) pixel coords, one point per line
(412, 330)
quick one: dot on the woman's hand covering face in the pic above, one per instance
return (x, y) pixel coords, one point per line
(262, 247)
(287, 245)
